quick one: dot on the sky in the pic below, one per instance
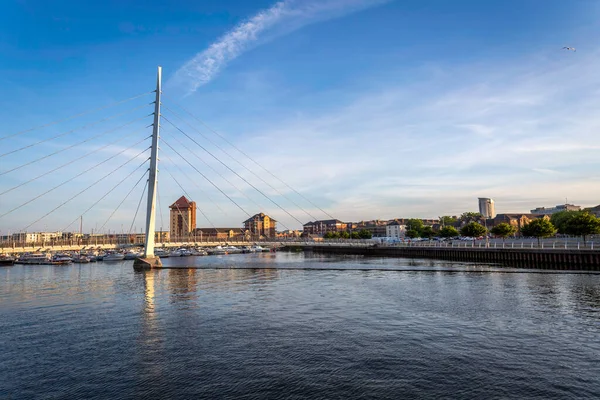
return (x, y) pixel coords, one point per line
(356, 109)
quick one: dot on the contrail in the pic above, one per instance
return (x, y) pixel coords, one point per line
(281, 18)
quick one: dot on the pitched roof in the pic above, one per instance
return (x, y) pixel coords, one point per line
(325, 222)
(259, 216)
(219, 230)
(182, 202)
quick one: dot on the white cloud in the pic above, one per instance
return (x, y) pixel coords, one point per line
(434, 147)
(283, 17)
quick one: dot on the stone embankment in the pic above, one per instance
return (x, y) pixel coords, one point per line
(587, 260)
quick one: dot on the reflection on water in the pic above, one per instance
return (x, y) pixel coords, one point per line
(299, 325)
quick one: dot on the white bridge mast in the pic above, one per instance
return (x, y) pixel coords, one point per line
(149, 260)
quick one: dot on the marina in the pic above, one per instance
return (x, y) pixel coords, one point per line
(91, 256)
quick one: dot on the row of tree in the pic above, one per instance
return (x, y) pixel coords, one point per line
(362, 234)
(576, 223)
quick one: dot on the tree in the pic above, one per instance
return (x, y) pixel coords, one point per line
(365, 234)
(414, 225)
(354, 235)
(470, 217)
(504, 230)
(561, 219)
(582, 224)
(411, 233)
(473, 229)
(539, 228)
(448, 231)
(447, 220)
(331, 235)
(344, 235)
(427, 232)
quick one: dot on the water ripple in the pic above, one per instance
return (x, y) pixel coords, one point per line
(292, 326)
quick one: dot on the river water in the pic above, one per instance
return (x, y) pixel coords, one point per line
(297, 326)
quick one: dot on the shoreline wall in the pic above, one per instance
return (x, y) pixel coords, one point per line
(587, 260)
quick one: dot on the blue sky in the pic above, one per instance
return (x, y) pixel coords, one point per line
(371, 109)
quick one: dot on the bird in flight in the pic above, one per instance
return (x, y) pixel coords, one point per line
(569, 48)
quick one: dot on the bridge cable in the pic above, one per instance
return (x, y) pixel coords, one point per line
(106, 194)
(122, 201)
(72, 178)
(187, 194)
(218, 173)
(75, 145)
(238, 175)
(247, 156)
(84, 190)
(204, 193)
(205, 177)
(138, 207)
(77, 115)
(221, 175)
(71, 131)
(68, 163)
(240, 164)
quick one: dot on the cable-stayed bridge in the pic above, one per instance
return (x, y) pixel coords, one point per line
(119, 165)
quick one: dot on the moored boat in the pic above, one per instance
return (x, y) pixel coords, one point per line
(35, 259)
(6, 260)
(61, 259)
(81, 259)
(162, 253)
(217, 250)
(113, 257)
(131, 255)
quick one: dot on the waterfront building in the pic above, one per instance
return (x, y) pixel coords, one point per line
(25, 237)
(553, 210)
(161, 236)
(289, 234)
(182, 217)
(210, 234)
(486, 207)
(516, 220)
(261, 225)
(378, 228)
(321, 227)
(36, 237)
(396, 229)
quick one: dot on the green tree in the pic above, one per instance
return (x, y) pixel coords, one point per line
(504, 230)
(354, 235)
(427, 232)
(470, 217)
(473, 229)
(365, 234)
(582, 224)
(411, 233)
(448, 231)
(344, 235)
(414, 225)
(539, 228)
(561, 219)
(447, 220)
(328, 235)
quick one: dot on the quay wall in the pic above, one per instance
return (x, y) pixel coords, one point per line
(587, 260)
